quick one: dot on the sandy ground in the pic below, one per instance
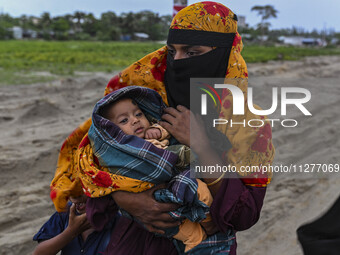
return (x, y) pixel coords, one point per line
(35, 119)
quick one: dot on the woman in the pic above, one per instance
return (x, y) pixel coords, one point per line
(203, 41)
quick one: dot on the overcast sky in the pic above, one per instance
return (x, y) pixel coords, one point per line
(308, 14)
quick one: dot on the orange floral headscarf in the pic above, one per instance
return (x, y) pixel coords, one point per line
(251, 146)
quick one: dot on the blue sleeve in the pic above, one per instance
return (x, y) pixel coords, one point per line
(53, 227)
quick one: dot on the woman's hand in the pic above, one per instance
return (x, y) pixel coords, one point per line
(183, 124)
(145, 208)
(177, 123)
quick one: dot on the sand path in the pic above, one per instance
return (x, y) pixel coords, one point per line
(35, 119)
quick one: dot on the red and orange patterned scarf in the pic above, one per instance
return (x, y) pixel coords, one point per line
(250, 146)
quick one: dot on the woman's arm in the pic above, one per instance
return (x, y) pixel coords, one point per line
(182, 124)
(77, 225)
(235, 204)
(145, 208)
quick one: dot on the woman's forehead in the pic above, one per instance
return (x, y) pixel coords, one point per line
(184, 46)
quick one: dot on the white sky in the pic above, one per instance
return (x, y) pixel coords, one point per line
(308, 14)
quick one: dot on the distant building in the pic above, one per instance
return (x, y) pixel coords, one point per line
(300, 41)
(246, 36)
(17, 32)
(140, 36)
(35, 20)
(314, 42)
(241, 21)
(291, 40)
(125, 37)
(262, 38)
(29, 33)
(335, 41)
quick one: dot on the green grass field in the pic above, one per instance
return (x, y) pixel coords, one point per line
(253, 54)
(21, 60)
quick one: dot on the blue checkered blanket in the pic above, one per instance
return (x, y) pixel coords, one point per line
(137, 158)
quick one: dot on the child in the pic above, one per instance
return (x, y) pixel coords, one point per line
(114, 155)
(126, 114)
(71, 233)
(122, 113)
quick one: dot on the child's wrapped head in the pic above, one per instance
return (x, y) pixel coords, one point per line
(127, 115)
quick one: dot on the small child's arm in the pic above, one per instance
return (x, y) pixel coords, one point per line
(77, 225)
(156, 131)
(158, 136)
(153, 133)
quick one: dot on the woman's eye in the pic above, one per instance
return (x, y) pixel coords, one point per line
(171, 52)
(123, 121)
(192, 53)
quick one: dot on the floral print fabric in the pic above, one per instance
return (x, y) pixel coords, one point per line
(251, 146)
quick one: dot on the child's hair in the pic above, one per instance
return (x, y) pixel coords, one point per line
(104, 111)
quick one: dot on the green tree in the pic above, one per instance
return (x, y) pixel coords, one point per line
(69, 19)
(7, 22)
(4, 33)
(44, 25)
(79, 19)
(60, 27)
(24, 21)
(45, 21)
(150, 23)
(90, 25)
(266, 12)
(128, 22)
(108, 19)
(109, 27)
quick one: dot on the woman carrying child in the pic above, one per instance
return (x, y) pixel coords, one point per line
(203, 42)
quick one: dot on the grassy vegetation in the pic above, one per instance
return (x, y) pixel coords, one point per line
(18, 59)
(254, 54)
(64, 57)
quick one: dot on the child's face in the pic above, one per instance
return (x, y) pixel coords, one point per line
(127, 115)
(80, 203)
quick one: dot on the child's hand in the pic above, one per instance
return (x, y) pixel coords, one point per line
(153, 133)
(77, 223)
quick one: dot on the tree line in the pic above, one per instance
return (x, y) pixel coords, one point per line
(111, 27)
(85, 26)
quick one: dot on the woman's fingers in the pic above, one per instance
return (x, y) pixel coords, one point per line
(177, 122)
(181, 108)
(166, 219)
(171, 111)
(162, 207)
(163, 225)
(145, 208)
(152, 229)
(169, 118)
(166, 125)
(167, 207)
